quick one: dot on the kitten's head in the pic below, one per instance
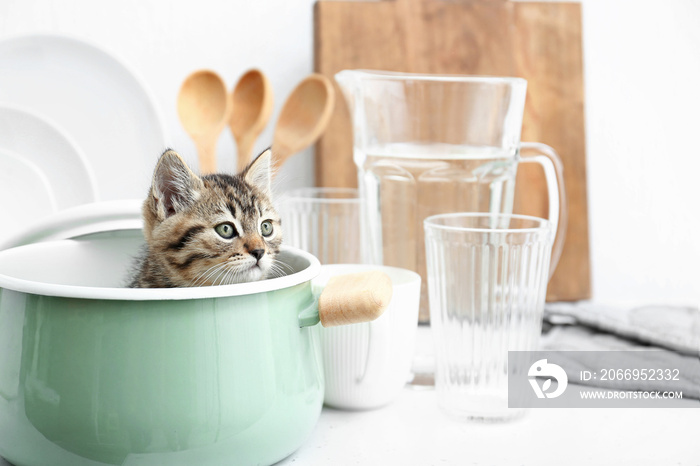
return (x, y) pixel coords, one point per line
(215, 229)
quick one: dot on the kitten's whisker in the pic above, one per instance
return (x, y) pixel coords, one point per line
(282, 267)
(210, 272)
(222, 274)
(199, 277)
(235, 275)
(285, 265)
(276, 271)
(231, 272)
(206, 274)
(231, 276)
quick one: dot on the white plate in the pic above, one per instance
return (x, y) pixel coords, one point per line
(25, 195)
(39, 141)
(95, 98)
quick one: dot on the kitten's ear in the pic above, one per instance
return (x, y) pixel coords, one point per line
(174, 185)
(259, 172)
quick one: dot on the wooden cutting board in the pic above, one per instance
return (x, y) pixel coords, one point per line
(540, 42)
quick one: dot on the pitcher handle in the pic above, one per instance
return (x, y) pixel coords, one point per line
(558, 207)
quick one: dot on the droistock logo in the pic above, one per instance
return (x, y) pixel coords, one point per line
(542, 368)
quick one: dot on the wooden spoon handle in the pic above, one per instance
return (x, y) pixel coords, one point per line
(280, 153)
(206, 150)
(354, 298)
(245, 148)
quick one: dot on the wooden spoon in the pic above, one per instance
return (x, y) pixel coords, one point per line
(203, 106)
(303, 117)
(251, 109)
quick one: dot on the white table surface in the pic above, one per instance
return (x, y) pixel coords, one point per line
(412, 431)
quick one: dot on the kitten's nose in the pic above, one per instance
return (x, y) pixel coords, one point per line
(257, 253)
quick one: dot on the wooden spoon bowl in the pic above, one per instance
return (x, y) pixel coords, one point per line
(304, 117)
(251, 109)
(203, 107)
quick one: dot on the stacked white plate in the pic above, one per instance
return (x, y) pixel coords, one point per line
(76, 126)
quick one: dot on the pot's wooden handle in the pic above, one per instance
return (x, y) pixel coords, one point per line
(354, 298)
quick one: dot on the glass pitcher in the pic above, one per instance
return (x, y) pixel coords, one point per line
(431, 144)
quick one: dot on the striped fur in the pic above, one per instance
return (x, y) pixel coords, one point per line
(181, 215)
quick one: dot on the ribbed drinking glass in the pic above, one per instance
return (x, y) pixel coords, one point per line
(487, 280)
(324, 222)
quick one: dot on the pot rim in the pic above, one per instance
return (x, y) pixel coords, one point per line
(170, 294)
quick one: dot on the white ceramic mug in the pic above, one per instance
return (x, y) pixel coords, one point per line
(367, 365)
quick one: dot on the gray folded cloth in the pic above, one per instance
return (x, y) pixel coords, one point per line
(674, 327)
(649, 336)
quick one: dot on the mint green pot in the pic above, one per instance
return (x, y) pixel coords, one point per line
(93, 374)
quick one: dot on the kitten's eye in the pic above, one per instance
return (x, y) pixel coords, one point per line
(266, 228)
(225, 230)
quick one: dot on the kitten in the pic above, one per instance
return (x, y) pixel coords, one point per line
(209, 230)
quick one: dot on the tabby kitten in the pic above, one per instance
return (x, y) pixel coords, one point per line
(209, 230)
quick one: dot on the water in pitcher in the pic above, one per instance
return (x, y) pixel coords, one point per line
(405, 183)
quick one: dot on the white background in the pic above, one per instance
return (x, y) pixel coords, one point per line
(642, 87)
